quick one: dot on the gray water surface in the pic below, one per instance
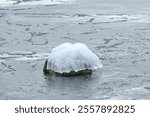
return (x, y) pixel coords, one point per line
(118, 31)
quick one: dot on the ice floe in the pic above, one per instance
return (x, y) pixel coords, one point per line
(23, 55)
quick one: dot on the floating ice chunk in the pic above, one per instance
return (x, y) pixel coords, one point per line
(38, 56)
(69, 57)
(21, 53)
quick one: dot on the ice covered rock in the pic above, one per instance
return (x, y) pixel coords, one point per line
(72, 59)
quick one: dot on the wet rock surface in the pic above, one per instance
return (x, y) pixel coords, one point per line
(118, 32)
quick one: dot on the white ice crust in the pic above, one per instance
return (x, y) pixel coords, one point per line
(72, 57)
(34, 2)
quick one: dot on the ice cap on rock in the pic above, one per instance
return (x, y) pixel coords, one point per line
(69, 57)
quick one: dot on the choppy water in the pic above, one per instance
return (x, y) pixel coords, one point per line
(117, 31)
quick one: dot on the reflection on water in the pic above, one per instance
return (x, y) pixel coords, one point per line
(73, 87)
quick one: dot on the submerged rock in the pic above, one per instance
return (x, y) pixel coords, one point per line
(71, 59)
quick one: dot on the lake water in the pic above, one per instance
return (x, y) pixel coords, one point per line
(118, 31)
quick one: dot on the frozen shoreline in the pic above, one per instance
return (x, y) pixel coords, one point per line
(8, 3)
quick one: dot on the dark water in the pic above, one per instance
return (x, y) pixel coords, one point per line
(118, 31)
